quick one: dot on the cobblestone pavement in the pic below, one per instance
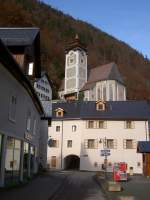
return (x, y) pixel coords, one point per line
(57, 185)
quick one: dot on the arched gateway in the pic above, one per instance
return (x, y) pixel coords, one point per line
(72, 162)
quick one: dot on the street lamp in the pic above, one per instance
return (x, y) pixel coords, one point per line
(105, 153)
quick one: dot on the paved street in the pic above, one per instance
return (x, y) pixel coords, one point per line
(79, 186)
(65, 185)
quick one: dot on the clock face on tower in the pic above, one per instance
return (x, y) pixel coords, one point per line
(71, 59)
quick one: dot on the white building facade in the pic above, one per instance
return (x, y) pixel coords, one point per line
(76, 139)
(43, 89)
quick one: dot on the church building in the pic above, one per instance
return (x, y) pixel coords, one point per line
(103, 82)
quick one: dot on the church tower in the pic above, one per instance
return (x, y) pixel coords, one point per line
(75, 69)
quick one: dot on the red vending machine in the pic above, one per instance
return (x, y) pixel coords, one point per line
(120, 172)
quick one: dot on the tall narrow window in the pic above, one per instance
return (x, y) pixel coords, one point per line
(104, 93)
(30, 71)
(34, 127)
(28, 121)
(74, 128)
(69, 143)
(12, 108)
(110, 92)
(0, 147)
(57, 128)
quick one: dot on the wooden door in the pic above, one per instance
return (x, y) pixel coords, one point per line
(146, 164)
(53, 161)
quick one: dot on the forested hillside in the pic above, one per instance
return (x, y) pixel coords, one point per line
(57, 29)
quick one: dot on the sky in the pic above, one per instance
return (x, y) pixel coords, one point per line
(126, 20)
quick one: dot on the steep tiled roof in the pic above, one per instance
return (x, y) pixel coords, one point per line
(100, 73)
(18, 36)
(12, 66)
(115, 110)
(104, 72)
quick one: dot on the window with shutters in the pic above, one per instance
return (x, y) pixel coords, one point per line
(90, 144)
(111, 144)
(90, 124)
(129, 124)
(129, 144)
(101, 124)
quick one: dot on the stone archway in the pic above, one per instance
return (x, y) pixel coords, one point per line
(72, 162)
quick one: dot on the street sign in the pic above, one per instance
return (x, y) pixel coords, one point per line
(105, 152)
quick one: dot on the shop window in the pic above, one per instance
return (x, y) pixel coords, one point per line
(69, 143)
(12, 108)
(25, 160)
(32, 158)
(12, 162)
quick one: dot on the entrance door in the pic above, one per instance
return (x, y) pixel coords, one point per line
(53, 161)
(146, 164)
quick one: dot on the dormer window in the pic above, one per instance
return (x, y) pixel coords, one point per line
(100, 105)
(59, 112)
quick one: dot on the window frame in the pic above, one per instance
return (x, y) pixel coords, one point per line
(57, 128)
(69, 143)
(12, 108)
(134, 144)
(74, 128)
(131, 126)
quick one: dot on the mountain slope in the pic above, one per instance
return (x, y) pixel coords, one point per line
(58, 29)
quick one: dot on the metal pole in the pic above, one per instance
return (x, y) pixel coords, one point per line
(105, 147)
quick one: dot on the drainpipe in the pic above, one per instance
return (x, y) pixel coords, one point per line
(62, 146)
(147, 136)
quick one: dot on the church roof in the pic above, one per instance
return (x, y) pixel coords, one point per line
(18, 36)
(104, 72)
(75, 44)
(115, 110)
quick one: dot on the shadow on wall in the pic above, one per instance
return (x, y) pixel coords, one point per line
(87, 163)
